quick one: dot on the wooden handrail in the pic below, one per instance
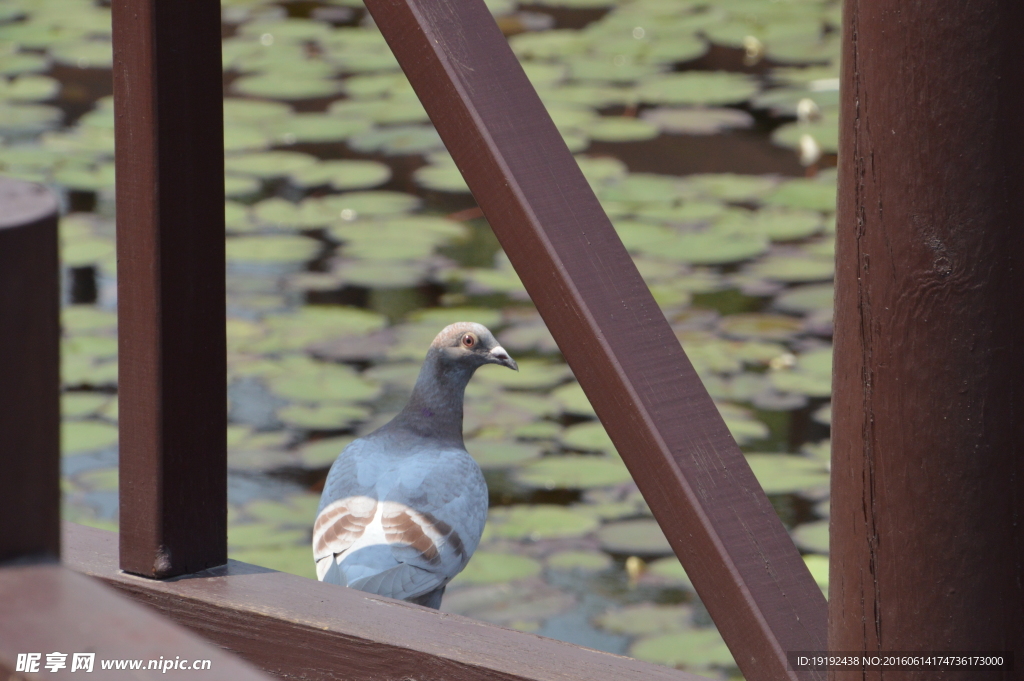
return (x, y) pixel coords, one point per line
(172, 354)
(620, 347)
(51, 609)
(301, 628)
(29, 372)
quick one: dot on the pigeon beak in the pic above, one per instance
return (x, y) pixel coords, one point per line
(499, 356)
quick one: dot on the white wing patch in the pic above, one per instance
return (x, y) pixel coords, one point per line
(341, 524)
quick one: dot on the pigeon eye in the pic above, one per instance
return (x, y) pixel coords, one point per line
(469, 340)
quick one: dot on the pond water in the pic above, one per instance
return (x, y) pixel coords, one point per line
(708, 131)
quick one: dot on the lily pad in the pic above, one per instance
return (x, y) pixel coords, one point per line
(621, 129)
(589, 437)
(268, 164)
(573, 472)
(322, 453)
(804, 193)
(760, 326)
(297, 560)
(286, 85)
(785, 473)
(442, 178)
(581, 561)
(86, 436)
(709, 248)
(732, 187)
(298, 511)
(818, 566)
(532, 375)
(776, 224)
(697, 87)
(693, 649)
(812, 536)
(283, 249)
(397, 140)
(352, 205)
(502, 454)
(331, 383)
(646, 619)
(317, 127)
(635, 538)
(670, 569)
(697, 120)
(794, 268)
(539, 521)
(804, 299)
(322, 416)
(487, 567)
(80, 404)
(574, 401)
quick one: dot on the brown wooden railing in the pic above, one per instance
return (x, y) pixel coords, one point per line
(698, 484)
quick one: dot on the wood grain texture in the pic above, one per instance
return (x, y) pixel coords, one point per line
(170, 242)
(48, 608)
(301, 628)
(29, 372)
(619, 345)
(928, 420)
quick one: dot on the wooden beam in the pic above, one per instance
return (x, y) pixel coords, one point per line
(620, 346)
(301, 628)
(170, 246)
(49, 608)
(29, 372)
(927, 502)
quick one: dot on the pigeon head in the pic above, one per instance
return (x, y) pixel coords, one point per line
(471, 344)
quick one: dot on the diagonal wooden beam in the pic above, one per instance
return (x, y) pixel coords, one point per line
(701, 489)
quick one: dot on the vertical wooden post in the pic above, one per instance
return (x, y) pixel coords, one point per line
(29, 372)
(170, 240)
(928, 415)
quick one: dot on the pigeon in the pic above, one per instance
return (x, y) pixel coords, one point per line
(403, 508)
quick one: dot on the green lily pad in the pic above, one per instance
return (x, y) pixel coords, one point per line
(634, 537)
(487, 567)
(589, 437)
(646, 619)
(539, 521)
(235, 186)
(621, 129)
(268, 164)
(697, 120)
(641, 236)
(93, 347)
(709, 248)
(812, 536)
(332, 382)
(502, 454)
(732, 187)
(697, 87)
(286, 85)
(346, 174)
(824, 131)
(253, 111)
(322, 416)
(29, 89)
(671, 570)
(271, 248)
(85, 54)
(352, 205)
(761, 326)
(86, 436)
(794, 268)
(807, 194)
(298, 511)
(574, 401)
(383, 274)
(776, 224)
(86, 179)
(693, 649)
(393, 110)
(533, 374)
(317, 127)
(397, 140)
(99, 480)
(573, 472)
(296, 560)
(79, 404)
(581, 561)
(818, 566)
(785, 473)
(811, 376)
(322, 453)
(804, 299)
(382, 246)
(442, 178)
